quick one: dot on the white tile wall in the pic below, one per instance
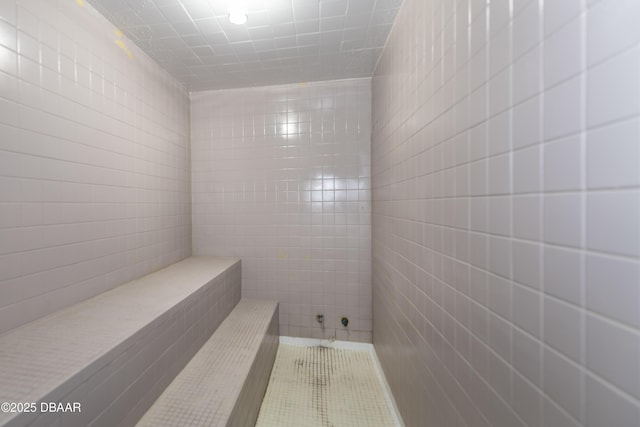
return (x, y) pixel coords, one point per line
(281, 179)
(94, 159)
(506, 220)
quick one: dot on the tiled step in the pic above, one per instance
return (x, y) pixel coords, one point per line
(224, 383)
(115, 353)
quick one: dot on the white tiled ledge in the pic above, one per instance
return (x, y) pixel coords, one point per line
(225, 382)
(116, 352)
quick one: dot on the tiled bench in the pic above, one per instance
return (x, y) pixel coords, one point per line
(224, 383)
(115, 353)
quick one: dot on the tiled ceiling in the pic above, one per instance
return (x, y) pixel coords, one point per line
(283, 41)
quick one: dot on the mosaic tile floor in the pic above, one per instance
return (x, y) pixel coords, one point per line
(318, 386)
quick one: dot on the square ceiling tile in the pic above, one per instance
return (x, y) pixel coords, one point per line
(283, 41)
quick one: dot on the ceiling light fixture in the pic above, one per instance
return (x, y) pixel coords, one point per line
(237, 14)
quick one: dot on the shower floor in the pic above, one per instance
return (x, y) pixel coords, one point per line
(319, 386)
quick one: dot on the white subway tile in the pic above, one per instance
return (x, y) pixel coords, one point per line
(499, 134)
(554, 415)
(612, 222)
(563, 219)
(527, 77)
(563, 165)
(563, 50)
(568, 338)
(8, 35)
(478, 33)
(500, 215)
(526, 31)
(478, 142)
(613, 154)
(612, 87)
(499, 174)
(611, 28)
(562, 109)
(500, 49)
(559, 15)
(500, 297)
(562, 382)
(527, 356)
(612, 288)
(527, 401)
(478, 63)
(526, 123)
(527, 170)
(478, 254)
(526, 309)
(8, 61)
(527, 214)
(526, 264)
(605, 405)
(563, 277)
(8, 11)
(478, 105)
(500, 377)
(607, 341)
(500, 92)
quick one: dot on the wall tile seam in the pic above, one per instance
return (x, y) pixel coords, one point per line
(99, 184)
(89, 108)
(451, 375)
(134, 98)
(576, 363)
(172, 255)
(582, 248)
(23, 108)
(164, 229)
(160, 75)
(495, 354)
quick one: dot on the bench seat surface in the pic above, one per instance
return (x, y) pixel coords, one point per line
(50, 356)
